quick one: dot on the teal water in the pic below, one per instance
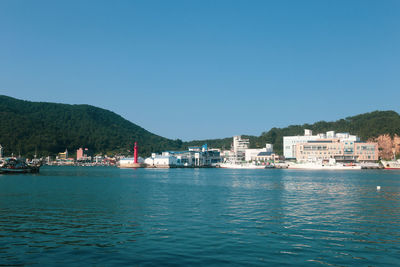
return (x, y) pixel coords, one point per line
(107, 216)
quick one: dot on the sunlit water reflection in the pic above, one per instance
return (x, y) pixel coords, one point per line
(107, 216)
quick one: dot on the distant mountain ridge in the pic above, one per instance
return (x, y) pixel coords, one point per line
(49, 128)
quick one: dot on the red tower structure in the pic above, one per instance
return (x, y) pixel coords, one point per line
(135, 148)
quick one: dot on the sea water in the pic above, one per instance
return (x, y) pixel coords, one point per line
(108, 216)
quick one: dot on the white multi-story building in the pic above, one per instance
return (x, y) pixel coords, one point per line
(290, 142)
(237, 152)
(239, 146)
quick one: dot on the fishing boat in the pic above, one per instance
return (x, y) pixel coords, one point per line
(14, 165)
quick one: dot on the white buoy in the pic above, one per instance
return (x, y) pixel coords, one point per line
(378, 187)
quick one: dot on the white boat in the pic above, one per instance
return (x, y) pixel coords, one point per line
(230, 165)
(315, 166)
(391, 164)
(324, 165)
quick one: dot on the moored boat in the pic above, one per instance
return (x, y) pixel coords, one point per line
(14, 165)
(391, 164)
(324, 165)
(229, 165)
(316, 166)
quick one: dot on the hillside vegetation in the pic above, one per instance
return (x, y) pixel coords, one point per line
(366, 126)
(49, 128)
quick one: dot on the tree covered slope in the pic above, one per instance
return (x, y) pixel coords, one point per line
(49, 128)
(366, 126)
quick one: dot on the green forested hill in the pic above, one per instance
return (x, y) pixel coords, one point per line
(366, 126)
(50, 128)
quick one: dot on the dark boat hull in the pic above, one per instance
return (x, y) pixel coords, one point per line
(22, 170)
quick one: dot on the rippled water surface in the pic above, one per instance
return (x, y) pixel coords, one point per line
(107, 216)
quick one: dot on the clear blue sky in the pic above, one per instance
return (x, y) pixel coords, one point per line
(205, 69)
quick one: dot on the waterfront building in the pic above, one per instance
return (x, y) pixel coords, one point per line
(227, 155)
(99, 159)
(267, 156)
(290, 142)
(63, 155)
(79, 154)
(196, 158)
(83, 154)
(239, 147)
(338, 149)
(129, 162)
(212, 157)
(251, 154)
(238, 150)
(62, 161)
(240, 153)
(161, 161)
(193, 157)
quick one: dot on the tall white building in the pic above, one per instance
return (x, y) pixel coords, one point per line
(239, 146)
(289, 142)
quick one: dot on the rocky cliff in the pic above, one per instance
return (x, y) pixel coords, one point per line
(387, 145)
